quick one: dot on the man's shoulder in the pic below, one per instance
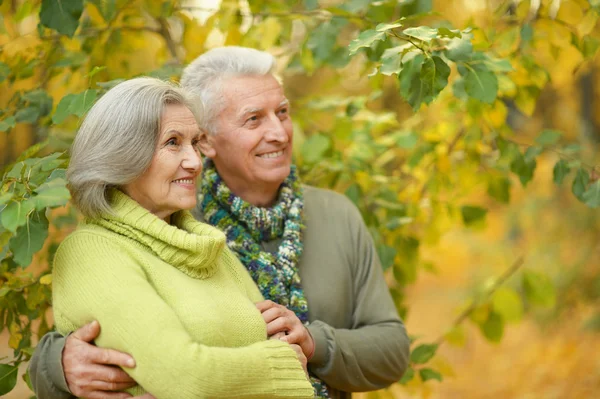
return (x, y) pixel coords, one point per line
(325, 197)
(329, 203)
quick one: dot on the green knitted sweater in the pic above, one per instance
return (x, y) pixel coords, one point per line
(176, 299)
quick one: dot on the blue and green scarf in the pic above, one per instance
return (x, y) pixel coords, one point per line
(246, 226)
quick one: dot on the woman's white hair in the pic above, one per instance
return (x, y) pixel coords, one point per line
(118, 138)
(205, 75)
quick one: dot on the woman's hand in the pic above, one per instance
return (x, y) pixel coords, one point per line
(280, 319)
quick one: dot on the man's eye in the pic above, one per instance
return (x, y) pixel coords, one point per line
(283, 111)
(252, 119)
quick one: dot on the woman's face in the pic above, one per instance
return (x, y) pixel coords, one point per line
(169, 184)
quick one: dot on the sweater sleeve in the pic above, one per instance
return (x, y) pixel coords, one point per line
(374, 351)
(95, 278)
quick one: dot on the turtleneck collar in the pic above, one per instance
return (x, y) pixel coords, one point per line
(190, 246)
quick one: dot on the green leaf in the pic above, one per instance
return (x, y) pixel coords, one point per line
(427, 374)
(423, 353)
(365, 39)
(7, 123)
(410, 72)
(432, 79)
(523, 168)
(311, 4)
(507, 303)
(451, 33)
(39, 99)
(96, 70)
(4, 71)
(315, 147)
(27, 115)
(580, 184)
(493, 327)
(107, 8)
(15, 214)
(459, 49)
(499, 189)
(406, 140)
(353, 192)
(29, 239)
(8, 378)
(531, 153)
(472, 214)
(384, 27)
(74, 104)
(61, 15)
(548, 137)
(561, 169)
(481, 84)
(4, 198)
(409, 374)
(51, 197)
(423, 33)
(539, 289)
(386, 255)
(592, 196)
(391, 59)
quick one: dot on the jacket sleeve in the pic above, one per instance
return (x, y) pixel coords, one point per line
(113, 289)
(46, 370)
(374, 352)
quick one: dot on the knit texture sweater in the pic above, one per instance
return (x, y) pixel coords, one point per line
(175, 298)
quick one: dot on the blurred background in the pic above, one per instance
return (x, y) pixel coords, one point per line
(481, 190)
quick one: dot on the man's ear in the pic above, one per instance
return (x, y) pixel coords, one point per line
(207, 145)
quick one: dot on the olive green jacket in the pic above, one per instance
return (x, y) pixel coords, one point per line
(361, 343)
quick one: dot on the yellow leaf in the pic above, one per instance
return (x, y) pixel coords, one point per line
(15, 335)
(194, 36)
(497, 117)
(456, 336)
(46, 280)
(570, 12)
(270, 31)
(589, 22)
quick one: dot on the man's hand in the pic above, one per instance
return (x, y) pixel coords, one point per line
(90, 371)
(280, 319)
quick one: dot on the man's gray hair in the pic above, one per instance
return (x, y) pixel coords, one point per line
(205, 75)
(118, 138)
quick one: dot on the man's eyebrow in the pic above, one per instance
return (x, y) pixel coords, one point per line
(284, 102)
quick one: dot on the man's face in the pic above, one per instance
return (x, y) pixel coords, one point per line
(252, 149)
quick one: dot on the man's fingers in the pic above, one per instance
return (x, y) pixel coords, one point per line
(110, 386)
(112, 357)
(107, 395)
(145, 396)
(277, 325)
(88, 332)
(264, 305)
(273, 313)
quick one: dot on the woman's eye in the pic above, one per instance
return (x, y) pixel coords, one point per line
(172, 141)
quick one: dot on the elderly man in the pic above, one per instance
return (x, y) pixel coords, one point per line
(307, 249)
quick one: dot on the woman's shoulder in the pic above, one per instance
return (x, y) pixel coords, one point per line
(90, 239)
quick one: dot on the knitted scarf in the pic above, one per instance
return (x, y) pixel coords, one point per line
(246, 226)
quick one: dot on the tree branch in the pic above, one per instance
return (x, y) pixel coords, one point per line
(501, 280)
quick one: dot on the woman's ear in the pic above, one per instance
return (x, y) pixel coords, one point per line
(207, 145)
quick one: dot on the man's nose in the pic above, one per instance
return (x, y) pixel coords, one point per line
(276, 131)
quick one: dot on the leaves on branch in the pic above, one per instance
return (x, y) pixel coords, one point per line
(61, 15)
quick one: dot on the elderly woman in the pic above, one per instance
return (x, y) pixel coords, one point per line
(163, 286)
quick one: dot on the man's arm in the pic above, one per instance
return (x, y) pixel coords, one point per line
(374, 352)
(45, 368)
(88, 371)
